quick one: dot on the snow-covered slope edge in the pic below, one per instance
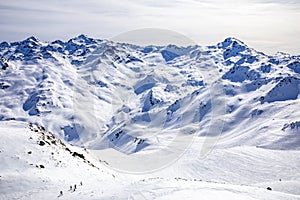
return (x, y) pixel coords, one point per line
(36, 165)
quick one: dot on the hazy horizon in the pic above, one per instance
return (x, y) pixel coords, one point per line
(268, 26)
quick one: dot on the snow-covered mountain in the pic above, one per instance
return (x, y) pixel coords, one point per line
(60, 101)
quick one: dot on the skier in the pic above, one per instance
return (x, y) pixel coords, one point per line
(60, 194)
(74, 187)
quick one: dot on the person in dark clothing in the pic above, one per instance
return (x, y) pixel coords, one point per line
(60, 194)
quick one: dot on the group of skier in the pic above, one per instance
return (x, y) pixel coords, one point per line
(72, 189)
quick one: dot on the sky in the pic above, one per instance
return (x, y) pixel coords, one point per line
(266, 25)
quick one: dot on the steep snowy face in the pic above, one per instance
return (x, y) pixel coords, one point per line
(100, 94)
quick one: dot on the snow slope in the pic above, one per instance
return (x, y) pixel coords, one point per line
(36, 165)
(219, 121)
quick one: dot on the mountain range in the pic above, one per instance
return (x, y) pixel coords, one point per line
(213, 121)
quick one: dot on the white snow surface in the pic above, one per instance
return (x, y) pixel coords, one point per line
(226, 117)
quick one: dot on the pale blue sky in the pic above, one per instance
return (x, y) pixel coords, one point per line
(266, 25)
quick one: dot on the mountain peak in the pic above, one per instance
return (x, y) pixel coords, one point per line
(83, 39)
(83, 36)
(231, 41)
(31, 39)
